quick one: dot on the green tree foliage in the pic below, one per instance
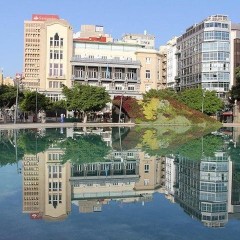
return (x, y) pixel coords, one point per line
(196, 98)
(204, 146)
(235, 91)
(31, 99)
(160, 94)
(32, 142)
(84, 149)
(8, 153)
(56, 108)
(85, 98)
(150, 109)
(7, 98)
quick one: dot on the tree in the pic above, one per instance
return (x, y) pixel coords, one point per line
(32, 143)
(58, 107)
(85, 98)
(7, 99)
(235, 91)
(33, 101)
(8, 149)
(161, 94)
(84, 149)
(202, 100)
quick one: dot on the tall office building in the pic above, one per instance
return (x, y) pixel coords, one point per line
(204, 55)
(32, 49)
(47, 54)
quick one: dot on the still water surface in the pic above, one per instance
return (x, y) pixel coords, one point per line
(119, 183)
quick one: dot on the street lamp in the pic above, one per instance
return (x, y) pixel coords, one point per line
(18, 78)
(120, 109)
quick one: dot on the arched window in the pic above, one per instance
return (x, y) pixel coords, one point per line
(56, 40)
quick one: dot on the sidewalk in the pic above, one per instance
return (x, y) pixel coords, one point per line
(231, 124)
(59, 125)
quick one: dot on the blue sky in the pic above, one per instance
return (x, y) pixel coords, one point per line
(162, 18)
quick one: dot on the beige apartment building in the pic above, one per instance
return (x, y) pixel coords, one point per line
(150, 69)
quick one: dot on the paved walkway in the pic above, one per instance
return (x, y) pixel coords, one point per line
(79, 125)
(58, 125)
(231, 124)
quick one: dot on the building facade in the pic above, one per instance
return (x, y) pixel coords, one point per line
(235, 51)
(145, 39)
(204, 55)
(171, 62)
(110, 65)
(47, 54)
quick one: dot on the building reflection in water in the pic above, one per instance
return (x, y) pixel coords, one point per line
(207, 189)
(201, 188)
(49, 186)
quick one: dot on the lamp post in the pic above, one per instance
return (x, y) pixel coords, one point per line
(120, 109)
(18, 78)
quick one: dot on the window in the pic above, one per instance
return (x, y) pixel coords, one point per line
(148, 74)
(148, 60)
(131, 88)
(51, 41)
(130, 154)
(56, 54)
(56, 40)
(55, 69)
(118, 73)
(118, 87)
(146, 182)
(61, 42)
(50, 69)
(61, 70)
(146, 168)
(51, 54)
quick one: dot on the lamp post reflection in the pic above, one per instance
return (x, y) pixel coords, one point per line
(17, 79)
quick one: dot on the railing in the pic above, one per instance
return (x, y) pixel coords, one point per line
(106, 61)
(104, 75)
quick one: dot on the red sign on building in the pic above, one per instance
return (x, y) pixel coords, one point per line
(36, 216)
(43, 17)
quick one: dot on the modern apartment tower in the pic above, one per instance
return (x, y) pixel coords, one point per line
(204, 56)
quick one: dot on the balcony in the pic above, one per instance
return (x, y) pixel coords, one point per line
(76, 60)
(106, 76)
